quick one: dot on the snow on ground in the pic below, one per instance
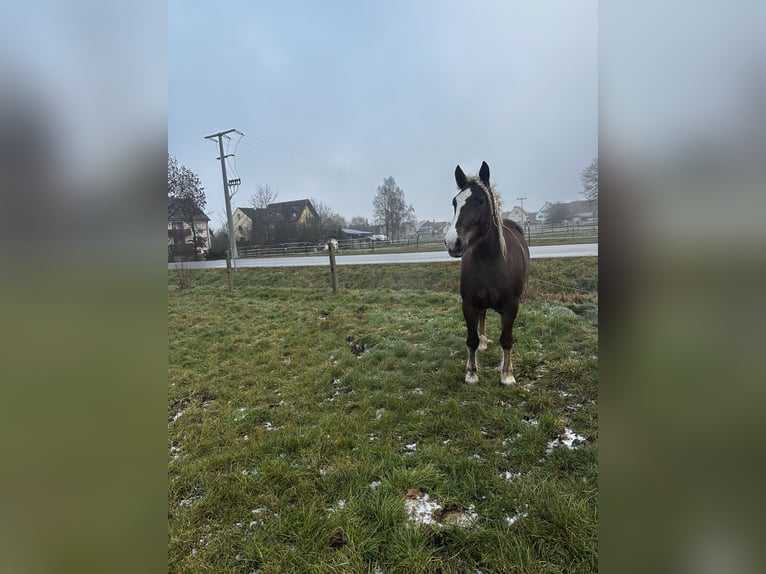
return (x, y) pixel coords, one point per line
(422, 509)
(511, 519)
(567, 438)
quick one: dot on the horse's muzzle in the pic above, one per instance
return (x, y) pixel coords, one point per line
(455, 249)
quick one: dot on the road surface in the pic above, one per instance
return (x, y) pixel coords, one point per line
(539, 252)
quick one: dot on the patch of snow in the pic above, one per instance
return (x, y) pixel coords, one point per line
(510, 520)
(250, 472)
(421, 510)
(567, 438)
(176, 416)
(509, 476)
(530, 422)
(379, 413)
(463, 519)
(340, 505)
(411, 447)
(261, 516)
(246, 437)
(417, 391)
(270, 427)
(375, 484)
(187, 502)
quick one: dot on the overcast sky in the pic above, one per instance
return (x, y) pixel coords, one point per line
(335, 96)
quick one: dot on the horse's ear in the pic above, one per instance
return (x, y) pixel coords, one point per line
(484, 173)
(460, 178)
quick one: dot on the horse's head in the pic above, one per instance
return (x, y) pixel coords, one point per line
(474, 211)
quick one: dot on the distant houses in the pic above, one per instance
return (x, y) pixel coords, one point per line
(575, 211)
(281, 221)
(432, 227)
(180, 233)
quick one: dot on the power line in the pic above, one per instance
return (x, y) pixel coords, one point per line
(294, 159)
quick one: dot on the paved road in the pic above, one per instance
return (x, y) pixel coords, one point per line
(540, 252)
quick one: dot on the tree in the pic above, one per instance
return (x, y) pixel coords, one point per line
(328, 222)
(391, 209)
(359, 222)
(557, 213)
(261, 230)
(262, 197)
(186, 199)
(219, 243)
(589, 179)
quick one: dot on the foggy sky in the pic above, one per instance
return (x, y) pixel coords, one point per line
(335, 96)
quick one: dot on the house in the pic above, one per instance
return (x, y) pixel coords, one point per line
(432, 227)
(275, 221)
(243, 218)
(180, 236)
(516, 214)
(576, 211)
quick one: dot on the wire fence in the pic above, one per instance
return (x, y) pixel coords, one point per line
(536, 234)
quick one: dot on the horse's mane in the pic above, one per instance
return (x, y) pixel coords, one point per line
(495, 204)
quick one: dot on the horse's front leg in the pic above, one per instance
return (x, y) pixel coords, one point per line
(471, 315)
(508, 316)
(482, 331)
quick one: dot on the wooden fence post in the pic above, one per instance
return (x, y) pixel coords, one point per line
(228, 269)
(333, 271)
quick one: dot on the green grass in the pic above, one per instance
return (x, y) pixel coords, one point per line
(294, 449)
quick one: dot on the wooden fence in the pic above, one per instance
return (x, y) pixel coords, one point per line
(537, 234)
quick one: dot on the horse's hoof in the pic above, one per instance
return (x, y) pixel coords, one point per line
(507, 381)
(471, 378)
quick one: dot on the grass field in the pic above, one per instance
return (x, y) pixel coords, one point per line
(316, 433)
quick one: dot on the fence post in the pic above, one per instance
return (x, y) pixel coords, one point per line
(228, 269)
(333, 271)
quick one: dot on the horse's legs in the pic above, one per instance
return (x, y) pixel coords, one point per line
(482, 332)
(471, 315)
(508, 316)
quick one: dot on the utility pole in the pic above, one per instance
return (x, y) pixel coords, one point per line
(227, 197)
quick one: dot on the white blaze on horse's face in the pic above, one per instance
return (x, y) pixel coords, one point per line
(452, 239)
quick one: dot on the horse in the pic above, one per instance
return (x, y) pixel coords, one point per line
(494, 267)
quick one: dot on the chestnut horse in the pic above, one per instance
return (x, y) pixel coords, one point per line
(494, 268)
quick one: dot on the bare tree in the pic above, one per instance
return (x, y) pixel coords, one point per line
(261, 229)
(263, 196)
(186, 199)
(359, 222)
(589, 179)
(329, 221)
(391, 209)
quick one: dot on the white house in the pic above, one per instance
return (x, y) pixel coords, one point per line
(516, 214)
(180, 236)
